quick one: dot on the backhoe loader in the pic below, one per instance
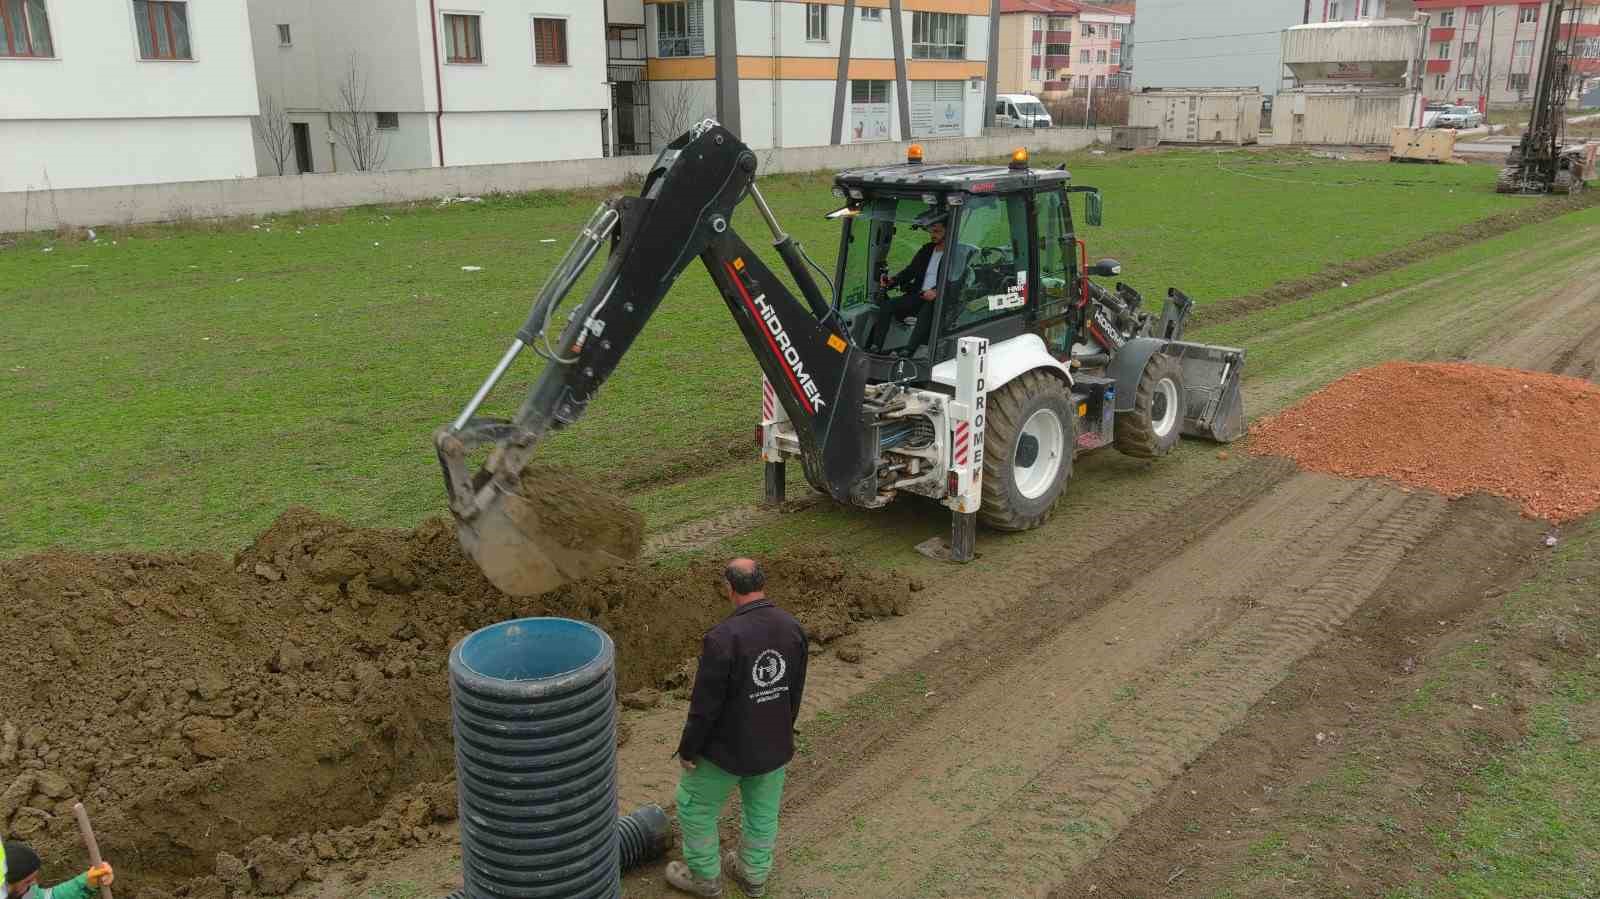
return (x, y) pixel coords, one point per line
(978, 397)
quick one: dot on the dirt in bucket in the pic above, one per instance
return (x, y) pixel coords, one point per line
(231, 721)
(1454, 429)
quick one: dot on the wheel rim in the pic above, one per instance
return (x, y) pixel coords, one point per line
(1040, 445)
(1164, 407)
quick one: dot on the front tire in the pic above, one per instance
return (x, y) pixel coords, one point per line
(1154, 425)
(1027, 451)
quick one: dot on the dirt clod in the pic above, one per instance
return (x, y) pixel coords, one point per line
(1454, 429)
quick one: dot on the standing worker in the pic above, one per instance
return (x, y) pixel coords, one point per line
(740, 733)
(21, 872)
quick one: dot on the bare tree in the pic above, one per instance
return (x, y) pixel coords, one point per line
(354, 124)
(272, 128)
(674, 108)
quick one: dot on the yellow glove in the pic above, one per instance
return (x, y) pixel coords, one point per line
(101, 875)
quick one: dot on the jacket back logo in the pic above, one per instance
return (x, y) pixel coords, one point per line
(769, 668)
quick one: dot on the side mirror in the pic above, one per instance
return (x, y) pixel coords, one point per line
(1105, 268)
(1091, 208)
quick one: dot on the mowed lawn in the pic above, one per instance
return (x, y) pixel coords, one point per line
(179, 387)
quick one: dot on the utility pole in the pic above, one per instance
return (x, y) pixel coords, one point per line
(993, 73)
(727, 66)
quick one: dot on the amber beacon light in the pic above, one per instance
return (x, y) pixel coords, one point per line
(1019, 158)
(914, 154)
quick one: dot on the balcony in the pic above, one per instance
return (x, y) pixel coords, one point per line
(1053, 86)
(1439, 66)
(1441, 35)
(1058, 37)
(1058, 60)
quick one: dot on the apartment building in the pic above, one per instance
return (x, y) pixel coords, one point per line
(1102, 62)
(106, 92)
(1488, 53)
(1235, 43)
(1063, 47)
(397, 84)
(787, 60)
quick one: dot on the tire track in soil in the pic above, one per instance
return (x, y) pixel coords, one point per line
(988, 791)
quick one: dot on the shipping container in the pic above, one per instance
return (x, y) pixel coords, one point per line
(1347, 117)
(1199, 115)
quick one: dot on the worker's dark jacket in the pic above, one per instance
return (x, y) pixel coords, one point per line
(747, 692)
(910, 277)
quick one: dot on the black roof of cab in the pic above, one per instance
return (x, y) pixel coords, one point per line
(947, 177)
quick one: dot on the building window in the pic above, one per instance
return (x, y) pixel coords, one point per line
(938, 35)
(1050, 75)
(1088, 30)
(1438, 82)
(1444, 51)
(1447, 19)
(816, 21)
(680, 29)
(1100, 82)
(1083, 56)
(1083, 82)
(1060, 23)
(1366, 9)
(1100, 56)
(462, 38)
(1527, 14)
(24, 29)
(163, 29)
(388, 121)
(1333, 11)
(1473, 18)
(869, 91)
(1522, 49)
(1058, 49)
(1469, 49)
(1463, 82)
(1517, 82)
(1033, 74)
(871, 14)
(1116, 56)
(285, 37)
(549, 42)
(1116, 32)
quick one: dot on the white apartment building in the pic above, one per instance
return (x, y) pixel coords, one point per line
(788, 57)
(106, 92)
(446, 82)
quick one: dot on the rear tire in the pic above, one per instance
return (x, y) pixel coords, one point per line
(1154, 425)
(1027, 451)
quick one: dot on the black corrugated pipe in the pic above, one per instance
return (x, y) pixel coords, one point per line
(534, 706)
(643, 835)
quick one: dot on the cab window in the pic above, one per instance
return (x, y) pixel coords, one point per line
(987, 267)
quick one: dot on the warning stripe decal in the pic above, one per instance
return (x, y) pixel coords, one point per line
(963, 440)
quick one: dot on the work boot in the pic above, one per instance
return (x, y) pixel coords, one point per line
(733, 866)
(679, 875)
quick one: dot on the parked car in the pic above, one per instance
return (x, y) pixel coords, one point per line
(1459, 117)
(1020, 111)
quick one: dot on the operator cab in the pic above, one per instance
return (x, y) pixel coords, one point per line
(1007, 265)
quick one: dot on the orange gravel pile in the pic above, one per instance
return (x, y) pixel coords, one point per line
(1454, 429)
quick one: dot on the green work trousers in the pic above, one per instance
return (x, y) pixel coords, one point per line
(701, 795)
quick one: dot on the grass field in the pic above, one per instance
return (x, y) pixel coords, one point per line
(178, 387)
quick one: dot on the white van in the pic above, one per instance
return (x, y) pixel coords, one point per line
(1020, 111)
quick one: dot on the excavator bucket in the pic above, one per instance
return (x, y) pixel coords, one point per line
(526, 546)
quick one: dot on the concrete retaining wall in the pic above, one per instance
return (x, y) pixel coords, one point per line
(140, 203)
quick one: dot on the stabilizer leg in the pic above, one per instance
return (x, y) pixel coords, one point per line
(775, 482)
(963, 536)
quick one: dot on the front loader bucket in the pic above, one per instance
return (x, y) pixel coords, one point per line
(1213, 406)
(522, 550)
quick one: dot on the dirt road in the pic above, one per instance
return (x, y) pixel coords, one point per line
(994, 739)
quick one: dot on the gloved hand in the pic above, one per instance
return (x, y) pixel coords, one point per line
(101, 875)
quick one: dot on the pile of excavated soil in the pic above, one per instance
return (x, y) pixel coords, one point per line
(1454, 429)
(231, 723)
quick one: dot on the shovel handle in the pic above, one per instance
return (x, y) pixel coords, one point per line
(87, 831)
